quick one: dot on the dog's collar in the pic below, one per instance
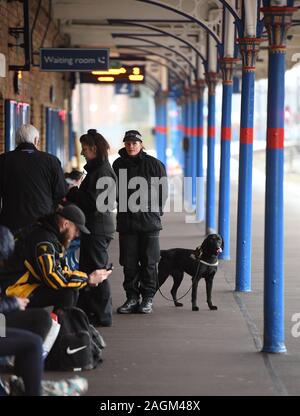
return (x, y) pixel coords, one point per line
(205, 262)
(209, 264)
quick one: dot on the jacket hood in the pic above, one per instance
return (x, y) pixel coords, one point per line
(49, 222)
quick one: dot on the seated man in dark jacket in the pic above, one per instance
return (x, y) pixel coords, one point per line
(38, 269)
(26, 346)
(38, 321)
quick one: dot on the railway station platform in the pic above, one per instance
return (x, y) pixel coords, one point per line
(177, 352)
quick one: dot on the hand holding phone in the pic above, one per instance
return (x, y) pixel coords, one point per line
(98, 276)
(109, 266)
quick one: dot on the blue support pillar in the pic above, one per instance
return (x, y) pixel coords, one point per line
(185, 137)
(277, 21)
(157, 124)
(189, 116)
(180, 132)
(189, 120)
(194, 144)
(174, 132)
(161, 127)
(200, 210)
(164, 101)
(227, 65)
(211, 79)
(249, 49)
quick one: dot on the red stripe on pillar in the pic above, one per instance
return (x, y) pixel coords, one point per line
(226, 133)
(189, 131)
(160, 129)
(211, 132)
(246, 135)
(194, 131)
(200, 131)
(180, 127)
(275, 138)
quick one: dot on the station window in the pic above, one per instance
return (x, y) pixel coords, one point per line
(16, 114)
(55, 128)
(72, 152)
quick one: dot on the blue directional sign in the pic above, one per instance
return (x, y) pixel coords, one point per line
(123, 89)
(76, 59)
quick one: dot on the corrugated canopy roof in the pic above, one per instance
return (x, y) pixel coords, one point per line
(170, 34)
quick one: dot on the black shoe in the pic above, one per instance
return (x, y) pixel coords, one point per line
(130, 306)
(16, 386)
(146, 306)
(105, 323)
(97, 322)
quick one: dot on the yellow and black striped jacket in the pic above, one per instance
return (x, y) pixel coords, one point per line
(39, 260)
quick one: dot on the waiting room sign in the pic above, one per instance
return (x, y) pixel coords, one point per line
(73, 59)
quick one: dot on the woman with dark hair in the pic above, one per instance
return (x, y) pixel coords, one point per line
(97, 202)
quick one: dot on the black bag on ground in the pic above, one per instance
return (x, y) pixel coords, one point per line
(78, 345)
(96, 302)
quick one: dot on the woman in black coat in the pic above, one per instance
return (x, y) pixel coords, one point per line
(97, 202)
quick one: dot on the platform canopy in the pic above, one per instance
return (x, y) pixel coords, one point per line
(162, 33)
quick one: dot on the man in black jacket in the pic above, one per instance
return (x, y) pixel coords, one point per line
(25, 331)
(37, 321)
(32, 183)
(24, 345)
(138, 221)
(38, 270)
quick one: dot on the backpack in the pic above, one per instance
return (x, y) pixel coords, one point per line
(78, 345)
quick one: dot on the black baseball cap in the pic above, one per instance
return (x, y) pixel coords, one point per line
(132, 135)
(73, 213)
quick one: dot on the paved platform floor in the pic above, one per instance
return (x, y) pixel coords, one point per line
(178, 352)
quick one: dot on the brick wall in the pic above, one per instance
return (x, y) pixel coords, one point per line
(35, 88)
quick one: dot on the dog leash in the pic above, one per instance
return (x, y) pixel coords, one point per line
(194, 277)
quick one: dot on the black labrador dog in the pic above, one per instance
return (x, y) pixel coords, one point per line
(198, 263)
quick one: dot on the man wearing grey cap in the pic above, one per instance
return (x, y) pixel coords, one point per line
(38, 269)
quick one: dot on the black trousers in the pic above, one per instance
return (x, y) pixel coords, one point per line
(27, 349)
(95, 301)
(36, 320)
(46, 296)
(139, 255)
